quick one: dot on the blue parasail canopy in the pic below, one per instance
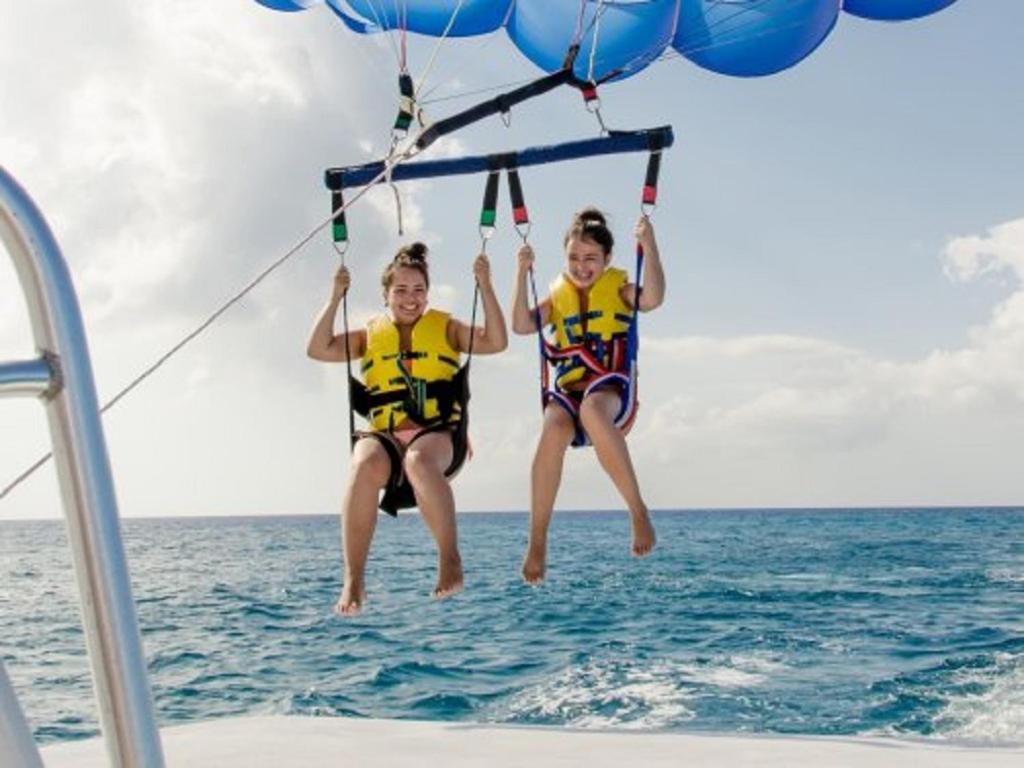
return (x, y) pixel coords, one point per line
(618, 38)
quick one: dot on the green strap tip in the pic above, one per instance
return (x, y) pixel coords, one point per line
(340, 233)
(487, 218)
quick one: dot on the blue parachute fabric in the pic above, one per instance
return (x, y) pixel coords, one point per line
(288, 5)
(629, 35)
(361, 26)
(618, 38)
(894, 10)
(616, 142)
(427, 17)
(752, 38)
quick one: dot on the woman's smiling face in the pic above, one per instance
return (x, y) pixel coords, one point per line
(406, 296)
(585, 261)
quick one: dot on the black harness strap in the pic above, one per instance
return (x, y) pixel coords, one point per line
(339, 227)
(489, 208)
(656, 143)
(502, 103)
(407, 103)
(520, 215)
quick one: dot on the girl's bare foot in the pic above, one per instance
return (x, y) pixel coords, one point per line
(449, 576)
(534, 565)
(353, 595)
(644, 537)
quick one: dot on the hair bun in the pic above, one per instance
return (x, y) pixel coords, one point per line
(591, 216)
(413, 252)
(591, 224)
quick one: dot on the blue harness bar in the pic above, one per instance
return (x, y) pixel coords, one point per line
(616, 142)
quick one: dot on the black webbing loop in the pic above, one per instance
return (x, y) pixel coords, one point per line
(520, 215)
(406, 103)
(650, 191)
(339, 228)
(489, 208)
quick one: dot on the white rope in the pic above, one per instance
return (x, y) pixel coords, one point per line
(400, 158)
(456, 66)
(437, 47)
(676, 53)
(578, 37)
(593, 46)
(387, 30)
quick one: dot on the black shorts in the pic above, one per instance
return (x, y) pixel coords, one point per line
(398, 493)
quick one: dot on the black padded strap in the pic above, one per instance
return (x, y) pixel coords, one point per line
(498, 105)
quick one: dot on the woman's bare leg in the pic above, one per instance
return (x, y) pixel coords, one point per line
(545, 477)
(369, 473)
(597, 414)
(427, 459)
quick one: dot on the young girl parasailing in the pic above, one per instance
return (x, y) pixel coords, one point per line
(410, 364)
(591, 309)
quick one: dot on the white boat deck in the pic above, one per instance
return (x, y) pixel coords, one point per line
(285, 742)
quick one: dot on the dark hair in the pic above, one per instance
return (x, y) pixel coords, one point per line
(413, 256)
(590, 224)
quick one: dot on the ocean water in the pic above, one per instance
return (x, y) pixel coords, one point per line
(895, 622)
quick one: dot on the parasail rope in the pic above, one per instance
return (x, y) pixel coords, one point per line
(676, 52)
(628, 67)
(747, 8)
(593, 47)
(437, 47)
(380, 19)
(403, 23)
(578, 37)
(458, 65)
(396, 160)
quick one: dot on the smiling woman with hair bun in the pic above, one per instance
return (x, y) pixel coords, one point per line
(410, 361)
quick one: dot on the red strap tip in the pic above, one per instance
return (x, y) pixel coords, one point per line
(650, 195)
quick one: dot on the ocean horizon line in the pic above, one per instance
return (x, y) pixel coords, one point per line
(575, 511)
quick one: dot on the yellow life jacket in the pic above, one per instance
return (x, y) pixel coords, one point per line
(430, 359)
(603, 332)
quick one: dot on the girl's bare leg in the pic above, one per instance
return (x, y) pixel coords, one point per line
(427, 459)
(597, 414)
(545, 477)
(368, 475)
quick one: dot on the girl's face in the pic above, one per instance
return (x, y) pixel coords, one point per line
(585, 262)
(406, 297)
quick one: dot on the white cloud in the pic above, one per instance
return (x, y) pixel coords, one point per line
(970, 257)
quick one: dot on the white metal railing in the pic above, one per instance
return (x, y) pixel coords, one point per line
(62, 377)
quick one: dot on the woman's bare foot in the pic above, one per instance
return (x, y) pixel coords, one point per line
(353, 595)
(644, 537)
(449, 576)
(534, 564)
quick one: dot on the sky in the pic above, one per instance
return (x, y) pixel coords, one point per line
(843, 243)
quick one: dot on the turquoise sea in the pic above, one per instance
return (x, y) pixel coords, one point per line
(892, 621)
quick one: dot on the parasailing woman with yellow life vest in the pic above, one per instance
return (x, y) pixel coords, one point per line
(591, 310)
(413, 396)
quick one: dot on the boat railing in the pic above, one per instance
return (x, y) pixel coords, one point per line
(61, 376)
